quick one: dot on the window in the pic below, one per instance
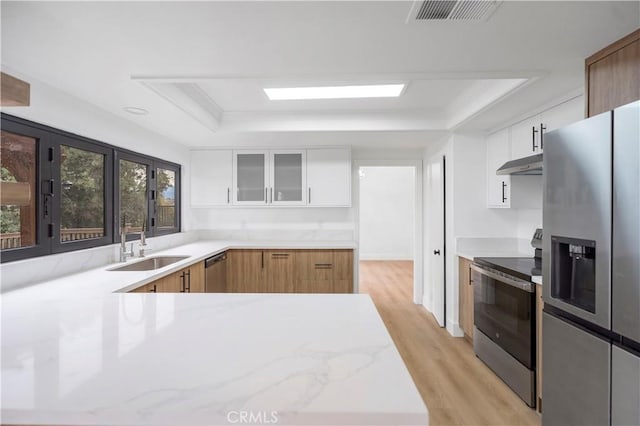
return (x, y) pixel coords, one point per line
(133, 195)
(62, 192)
(167, 214)
(82, 194)
(18, 189)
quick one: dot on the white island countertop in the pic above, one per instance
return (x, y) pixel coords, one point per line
(203, 359)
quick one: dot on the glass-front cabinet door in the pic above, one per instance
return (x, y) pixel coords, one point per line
(250, 178)
(288, 178)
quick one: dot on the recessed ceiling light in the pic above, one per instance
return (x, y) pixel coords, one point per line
(136, 110)
(335, 92)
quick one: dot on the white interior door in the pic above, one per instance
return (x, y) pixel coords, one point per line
(435, 255)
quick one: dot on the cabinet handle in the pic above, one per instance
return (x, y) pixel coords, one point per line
(309, 195)
(504, 198)
(182, 284)
(533, 138)
(323, 265)
(228, 195)
(266, 197)
(542, 129)
(436, 252)
(188, 286)
(153, 290)
(262, 261)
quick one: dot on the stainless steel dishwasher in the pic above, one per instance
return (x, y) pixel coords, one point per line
(216, 273)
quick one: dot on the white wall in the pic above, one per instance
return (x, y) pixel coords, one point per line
(60, 110)
(471, 217)
(387, 199)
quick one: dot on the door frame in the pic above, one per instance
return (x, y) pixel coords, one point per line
(418, 255)
(429, 261)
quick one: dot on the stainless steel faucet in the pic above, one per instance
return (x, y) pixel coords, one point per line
(143, 244)
(123, 245)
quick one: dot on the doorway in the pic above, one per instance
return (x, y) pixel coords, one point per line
(388, 197)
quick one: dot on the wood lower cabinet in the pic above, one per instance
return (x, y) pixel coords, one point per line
(245, 271)
(314, 271)
(279, 271)
(168, 284)
(187, 280)
(324, 271)
(465, 297)
(343, 271)
(268, 271)
(148, 288)
(290, 271)
(195, 278)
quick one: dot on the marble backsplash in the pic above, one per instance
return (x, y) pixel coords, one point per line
(22, 273)
(277, 234)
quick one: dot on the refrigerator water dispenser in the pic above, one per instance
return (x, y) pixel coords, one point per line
(573, 272)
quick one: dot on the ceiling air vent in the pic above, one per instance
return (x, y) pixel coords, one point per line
(470, 10)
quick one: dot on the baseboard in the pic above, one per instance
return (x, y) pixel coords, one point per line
(454, 329)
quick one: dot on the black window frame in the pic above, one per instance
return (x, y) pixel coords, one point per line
(135, 158)
(177, 194)
(42, 242)
(57, 245)
(47, 233)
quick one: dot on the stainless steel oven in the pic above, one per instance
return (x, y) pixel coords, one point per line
(505, 324)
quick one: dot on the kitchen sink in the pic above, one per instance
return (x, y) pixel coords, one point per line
(150, 263)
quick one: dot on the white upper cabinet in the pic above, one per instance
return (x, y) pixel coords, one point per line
(498, 186)
(562, 115)
(329, 177)
(266, 178)
(288, 178)
(211, 178)
(525, 138)
(250, 178)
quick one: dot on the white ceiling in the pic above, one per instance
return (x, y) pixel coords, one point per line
(470, 75)
(248, 95)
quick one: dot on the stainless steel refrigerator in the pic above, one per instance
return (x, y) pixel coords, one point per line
(591, 271)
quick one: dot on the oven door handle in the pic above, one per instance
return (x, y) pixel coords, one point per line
(522, 285)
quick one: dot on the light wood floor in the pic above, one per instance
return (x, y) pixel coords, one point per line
(457, 387)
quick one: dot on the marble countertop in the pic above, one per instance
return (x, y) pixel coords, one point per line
(101, 281)
(471, 255)
(205, 359)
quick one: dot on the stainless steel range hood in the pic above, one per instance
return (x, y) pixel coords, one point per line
(522, 166)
